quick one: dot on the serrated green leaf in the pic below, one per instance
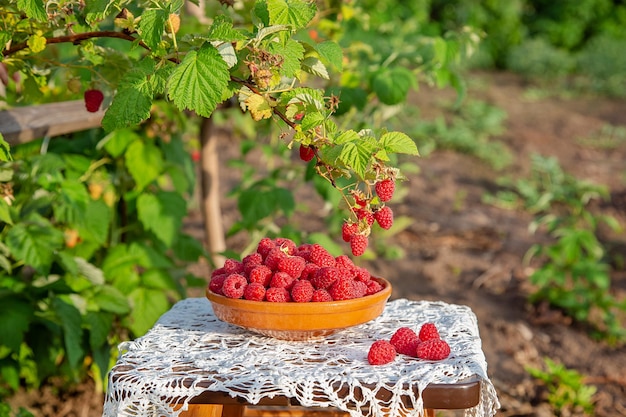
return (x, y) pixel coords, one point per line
(332, 53)
(5, 264)
(312, 120)
(292, 53)
(34, 9)
(152, 26)
(70, 320)
(149, 257)
(297, 13)
(144, 162)
(34, 241)
(222, 30)
(314, 66)
(15, 316)
(347, 136)
(111, 299)
(36, 42)
(398, 142)
(131, 105)
(162, 214)
(357, 155)
(199, 81)
(71, 203)
(148, 306)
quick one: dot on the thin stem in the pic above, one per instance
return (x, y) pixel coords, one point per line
(77, 38)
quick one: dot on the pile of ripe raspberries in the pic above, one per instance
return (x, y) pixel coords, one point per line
(427, 344)
(280, 271)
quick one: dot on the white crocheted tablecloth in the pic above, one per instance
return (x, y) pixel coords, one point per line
(190, 344)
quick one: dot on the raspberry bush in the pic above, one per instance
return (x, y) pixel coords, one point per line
(91, 249)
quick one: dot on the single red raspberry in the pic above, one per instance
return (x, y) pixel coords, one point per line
(405, 340)
(307, 153)
(265, 246)
(216, 283)
(348, 229)
(303, 251)
(234, 286)
(385, 189)
(293, 265)
(384, 217)
(277, 295)
(381, 352)
(342, 289)
(321, 295)
(287, 245)
(320, 256)
(360, 288)
(343, 261)
(433, 350)
(250, 262)
(93, 100)
(428, 331)
(282, 280)
(254, 292)
(309, 271)
(302, 291)
(218, 271)
(373, 287)
(232, 266)
(358, 244)
(261, 275)
(325, 277)
(366, 215)
(362, 274)
(274, 257)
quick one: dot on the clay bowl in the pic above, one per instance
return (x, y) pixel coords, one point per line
(299, 321)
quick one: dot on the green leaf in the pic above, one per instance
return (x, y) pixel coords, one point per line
(187, 248)
(297, 13)
(34, 242)
(99, 325)
(332, 53)
(199, 81)
(392, 85)
(152, 26)
(98, 9)
(131, 105)
(34, 9)
(312, 120)
(5, 150)
(357, 155)
(292, 53)
(397, 142)
(162, 214)
(222, 30)
(314, 66)
(148, 306)
(71, 203)
(70, 320)
(149, 257)
(15, 316)
(158, 279)
(96, 221)
(109, 298)
(145, 163)
(347, 136)
(116, 142)
(5, 212)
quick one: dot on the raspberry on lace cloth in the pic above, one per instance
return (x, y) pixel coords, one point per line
(190, 351)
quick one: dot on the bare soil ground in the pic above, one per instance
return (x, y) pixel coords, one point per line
(462, 251)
